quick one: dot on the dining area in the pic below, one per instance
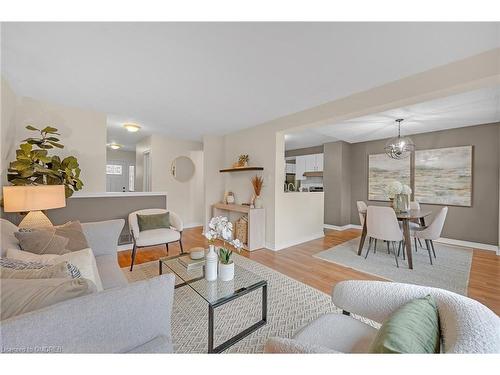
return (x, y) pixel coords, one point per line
(402, 229)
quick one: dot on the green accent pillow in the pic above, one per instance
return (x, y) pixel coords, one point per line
(413, 328)
(155, 221)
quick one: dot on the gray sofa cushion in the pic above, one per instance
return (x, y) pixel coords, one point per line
(111, 275)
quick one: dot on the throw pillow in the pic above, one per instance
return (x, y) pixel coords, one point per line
(154, 221)
(56, 271)
(412, 329)
(73, 231)
(21, 296)
(83, 259)
(44, 241)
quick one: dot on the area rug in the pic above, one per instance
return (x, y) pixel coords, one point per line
(450, 270)
(291, 305)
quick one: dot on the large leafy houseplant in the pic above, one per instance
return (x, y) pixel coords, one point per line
(34, 166)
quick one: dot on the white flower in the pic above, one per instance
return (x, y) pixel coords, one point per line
(406, 190)
(393, 188)
(237, 244)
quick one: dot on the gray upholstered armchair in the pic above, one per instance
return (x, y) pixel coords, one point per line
(467, 326)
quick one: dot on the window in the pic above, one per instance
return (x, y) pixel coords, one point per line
(131, 178)
(113, 169)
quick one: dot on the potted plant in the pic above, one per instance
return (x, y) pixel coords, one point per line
(34, 166)
(220, 228)
(257, 183)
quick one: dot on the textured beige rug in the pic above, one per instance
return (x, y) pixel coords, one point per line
(291, 305)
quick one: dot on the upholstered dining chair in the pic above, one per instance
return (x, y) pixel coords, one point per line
(414, 205)
(154, 237)
(431, 232)
(362, 215)
(382, 224)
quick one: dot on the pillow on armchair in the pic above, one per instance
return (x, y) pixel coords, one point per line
(153, 221)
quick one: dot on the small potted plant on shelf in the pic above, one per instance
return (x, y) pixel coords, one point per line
(220, 228)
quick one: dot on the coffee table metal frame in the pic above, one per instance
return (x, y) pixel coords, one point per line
(222, 301)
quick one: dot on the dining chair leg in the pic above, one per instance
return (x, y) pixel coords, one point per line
(415, 244)
(388, 251)
(395, 255)
(429, 251)
(419, 242)
(369, 246)
(399, 247)
(433, 250)
(427, 245)
(375, 247)
(134, 249)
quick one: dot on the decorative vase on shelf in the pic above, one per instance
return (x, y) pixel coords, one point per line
(211, 260)
(226, 271)
(258, 202)
(391, 202)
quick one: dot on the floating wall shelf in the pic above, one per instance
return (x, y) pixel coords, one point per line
(241, 169)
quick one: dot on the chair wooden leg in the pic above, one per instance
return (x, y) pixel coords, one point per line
(432, 246)
(166, 245)
(180, 243)
(369, 246)
(134, 249)
(395, 255)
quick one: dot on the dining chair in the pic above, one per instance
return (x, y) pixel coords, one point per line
(382, 224)
(432, 232)
(362, 214)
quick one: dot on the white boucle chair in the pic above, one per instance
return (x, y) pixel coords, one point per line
(466, 325)
(154, 237)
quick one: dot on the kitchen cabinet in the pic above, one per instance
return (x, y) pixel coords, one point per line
(290, 168)
(308, 163)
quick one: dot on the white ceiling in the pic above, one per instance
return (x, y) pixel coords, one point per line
(190, 79)
(467, 109)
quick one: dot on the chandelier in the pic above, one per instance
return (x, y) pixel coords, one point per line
(399, 147)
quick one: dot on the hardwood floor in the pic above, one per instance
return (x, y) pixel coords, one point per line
(298, 262)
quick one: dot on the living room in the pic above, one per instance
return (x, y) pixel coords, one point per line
(186, 196)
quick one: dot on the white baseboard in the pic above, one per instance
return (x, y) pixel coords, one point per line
(298, 241)
(449, 241)
(475, 245)
(193, 225)
(343, 227)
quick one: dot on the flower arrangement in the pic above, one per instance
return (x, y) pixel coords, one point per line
(220, 228)
(393, 188)
(406, 190)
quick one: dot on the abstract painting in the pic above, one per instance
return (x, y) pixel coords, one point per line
(381, 171)
(444, 176)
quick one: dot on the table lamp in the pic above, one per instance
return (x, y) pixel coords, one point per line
(33, 199)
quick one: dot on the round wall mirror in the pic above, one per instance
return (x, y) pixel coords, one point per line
(182, 168)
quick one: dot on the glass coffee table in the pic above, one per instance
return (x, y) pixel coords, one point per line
(217, 293)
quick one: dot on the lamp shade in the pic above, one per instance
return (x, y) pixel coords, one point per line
(33, 198)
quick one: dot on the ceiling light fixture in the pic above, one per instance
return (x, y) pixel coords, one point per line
(399, 147)
(114, 146)
(133, 128)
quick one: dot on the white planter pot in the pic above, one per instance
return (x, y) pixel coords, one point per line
(258, 202)
(226, 271)
(211, 260)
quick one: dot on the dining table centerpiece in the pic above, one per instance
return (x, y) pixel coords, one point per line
(399, 196)
(220, 228)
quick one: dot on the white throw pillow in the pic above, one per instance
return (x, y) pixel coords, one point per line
(83, 259)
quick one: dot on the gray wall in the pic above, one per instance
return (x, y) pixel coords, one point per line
(128, 156)
(478, 223)
(304, 151)
(337, 183)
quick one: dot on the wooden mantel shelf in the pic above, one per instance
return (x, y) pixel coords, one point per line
(241, 169)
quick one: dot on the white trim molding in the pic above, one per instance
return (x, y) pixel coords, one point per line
(343, 227)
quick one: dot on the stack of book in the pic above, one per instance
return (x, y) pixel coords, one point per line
(191, 264)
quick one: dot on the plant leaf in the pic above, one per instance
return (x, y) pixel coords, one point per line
(50, 130)
(26, 148)
(29, 127)
(55, 144)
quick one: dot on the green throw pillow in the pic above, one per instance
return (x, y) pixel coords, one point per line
(155, 221)
(413, 328)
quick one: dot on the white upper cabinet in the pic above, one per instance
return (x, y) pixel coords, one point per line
(308, 163)
(300, 167)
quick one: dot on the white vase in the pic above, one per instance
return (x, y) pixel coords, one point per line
(226, 271)
(211, 260)
(258, 202)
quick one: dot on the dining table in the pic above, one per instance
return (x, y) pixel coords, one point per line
(405, 217)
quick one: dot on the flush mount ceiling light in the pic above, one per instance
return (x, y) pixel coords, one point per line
(114, 146)
(399, 147)
(131, 127)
